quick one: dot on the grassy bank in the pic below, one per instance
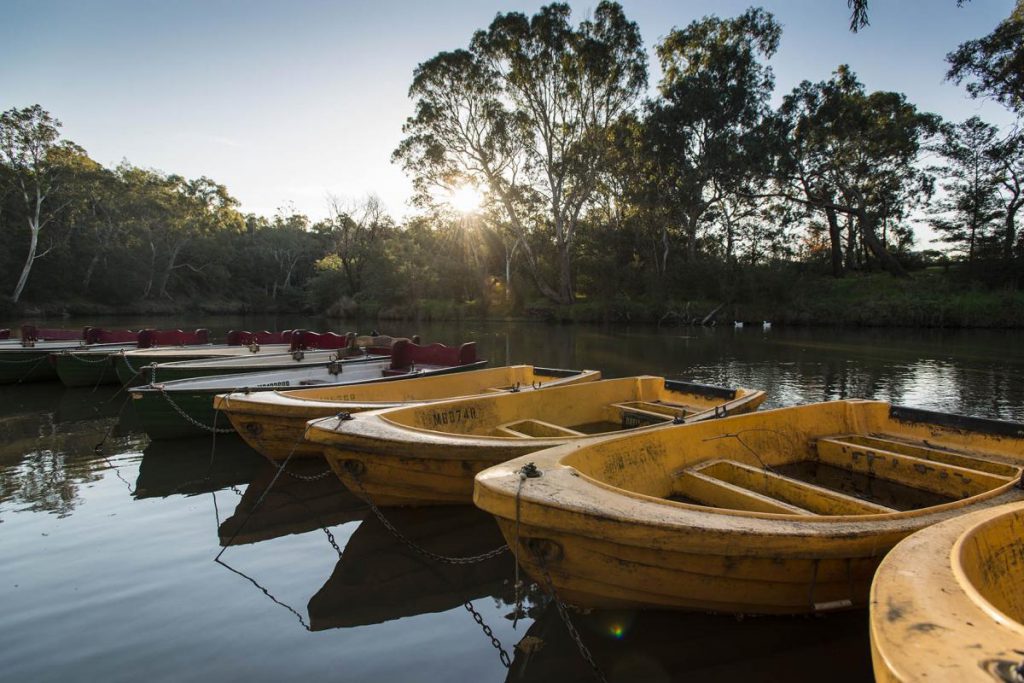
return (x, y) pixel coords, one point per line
(929, 299)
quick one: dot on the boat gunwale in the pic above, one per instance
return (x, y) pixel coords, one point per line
(178, 384)
(375, 424)
(926, 593)
(502, 482)
(967, 585)
(268, 404)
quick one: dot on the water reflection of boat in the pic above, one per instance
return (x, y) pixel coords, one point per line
(665, 646)
(379, 578)
(306, 496)
(187, 467)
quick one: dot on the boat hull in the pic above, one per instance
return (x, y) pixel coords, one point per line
(20, 365)
(664, 519)
(84, 369)
(178, 414)
(392, 464)
(948, 602)
(185, 408)
(275, 427)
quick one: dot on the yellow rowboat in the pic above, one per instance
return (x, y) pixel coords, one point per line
(273, 422)
(784, 511)
(948, 603)
(427, 454)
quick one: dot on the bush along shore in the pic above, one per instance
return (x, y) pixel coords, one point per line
(925, 300)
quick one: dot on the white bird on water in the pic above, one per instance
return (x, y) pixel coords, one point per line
(766, 325)
(737, 323)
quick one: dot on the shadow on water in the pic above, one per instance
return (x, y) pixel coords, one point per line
(139, 550)
(306, 496)
(380, 578)
(656, 647)
(187, 467)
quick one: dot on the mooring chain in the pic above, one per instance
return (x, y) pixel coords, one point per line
(191, 420)
(98, 448)
(502, 653)
(263, 495)
(82, 359)
(530, 471)
(263, 590)
(472, 559)
(563, 612)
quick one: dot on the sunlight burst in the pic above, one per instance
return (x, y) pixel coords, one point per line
(466, 199)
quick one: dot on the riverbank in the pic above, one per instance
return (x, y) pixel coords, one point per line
(927, 300)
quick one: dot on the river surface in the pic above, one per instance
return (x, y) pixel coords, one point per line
(107, 557)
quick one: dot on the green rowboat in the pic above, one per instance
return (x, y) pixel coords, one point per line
(184, 408)
(132, 366)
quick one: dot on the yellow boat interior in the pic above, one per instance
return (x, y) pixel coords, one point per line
(578, 410)
(832, 459)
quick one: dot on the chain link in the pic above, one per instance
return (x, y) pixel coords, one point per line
(502, 653)
(472, 559)
(529, 471)
(191, 420)
(80, 357)
(563, 612)
(309, 477)
(128, 364)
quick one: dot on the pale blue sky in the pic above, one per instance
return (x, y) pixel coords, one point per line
(288, 101)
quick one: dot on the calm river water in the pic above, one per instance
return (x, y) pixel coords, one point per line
(107, 567)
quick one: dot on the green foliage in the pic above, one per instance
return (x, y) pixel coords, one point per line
(595, 209)
(993, 66)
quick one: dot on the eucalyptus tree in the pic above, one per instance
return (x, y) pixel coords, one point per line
(524, 112)
(968, 213)
(354, 235)
(703, 129)
(38, 164)
(853, 153)
(1008, 156)
(993, 66)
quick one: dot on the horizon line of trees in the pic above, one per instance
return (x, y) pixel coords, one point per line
(589, 189)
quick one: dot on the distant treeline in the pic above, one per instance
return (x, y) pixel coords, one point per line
(590, 196)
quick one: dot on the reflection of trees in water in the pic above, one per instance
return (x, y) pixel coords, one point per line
(47, 455)
(47, 481)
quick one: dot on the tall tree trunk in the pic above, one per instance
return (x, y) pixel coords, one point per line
(871, 241)
(33, 226)
(851, 244)
(566, 295)
(89, 271)
(835, 235)
(152, 270)
(1010, 227)
(166, 275)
